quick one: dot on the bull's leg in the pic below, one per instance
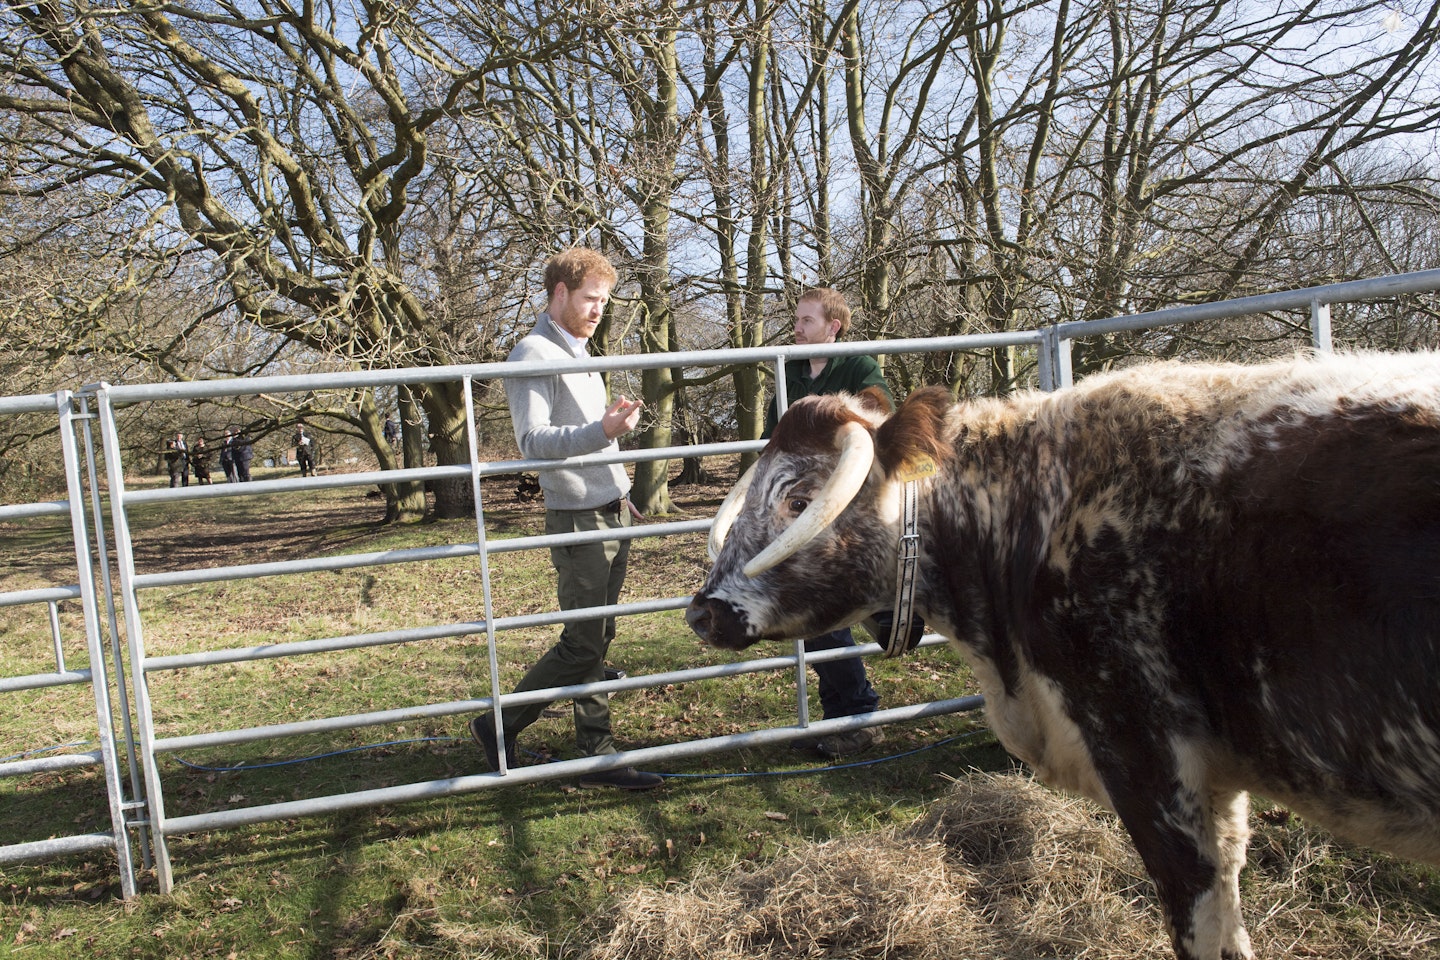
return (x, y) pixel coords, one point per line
(1193, 844)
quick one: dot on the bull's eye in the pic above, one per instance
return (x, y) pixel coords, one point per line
(798, 505)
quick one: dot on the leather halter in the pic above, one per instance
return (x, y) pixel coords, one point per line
(902, 640)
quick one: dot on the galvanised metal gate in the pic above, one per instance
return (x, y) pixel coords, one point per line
(137, 806)
(122, 805)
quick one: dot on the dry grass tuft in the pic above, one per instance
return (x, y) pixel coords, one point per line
(1004, 869)
(851, 898)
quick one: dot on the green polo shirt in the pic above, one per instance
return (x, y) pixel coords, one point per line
(841, 375)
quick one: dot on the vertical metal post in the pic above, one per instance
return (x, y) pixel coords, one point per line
(802, 696)
(55, 635)
(135, 638)
(122, 693)
(782, 396)
(1064, 361)
(99, 681)
(483, 544)
(1320, 327)
(1046, 364)
(802, 692)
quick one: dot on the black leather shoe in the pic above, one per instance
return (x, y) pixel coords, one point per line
(611, 673)
(622, 778)
(482, 731)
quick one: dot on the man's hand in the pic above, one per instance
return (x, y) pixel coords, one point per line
(622, 417)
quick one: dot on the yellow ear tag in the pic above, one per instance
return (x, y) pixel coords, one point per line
(917, 469)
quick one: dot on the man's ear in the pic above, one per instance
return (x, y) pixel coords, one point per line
(873, 399)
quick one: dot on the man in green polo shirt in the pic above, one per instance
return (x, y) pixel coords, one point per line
(823, 316)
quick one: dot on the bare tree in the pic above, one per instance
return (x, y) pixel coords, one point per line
(289, 143)
(375, 186)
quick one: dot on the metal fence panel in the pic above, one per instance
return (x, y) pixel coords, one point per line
(106, 757)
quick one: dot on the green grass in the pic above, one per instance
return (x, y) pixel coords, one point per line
(523, 871)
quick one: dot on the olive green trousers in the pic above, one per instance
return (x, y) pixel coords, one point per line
(590, 575)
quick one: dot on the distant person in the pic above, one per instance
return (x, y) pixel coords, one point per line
(304, 450)
(227, 456)
(200, 461)
(822, 316)
(243, 454)
(392, 431)
(171, 455)
(557, 416)
(177, 460)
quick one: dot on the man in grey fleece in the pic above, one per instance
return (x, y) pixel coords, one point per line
(558, 416)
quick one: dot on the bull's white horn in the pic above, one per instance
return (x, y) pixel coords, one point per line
(857, 453)
(729, 509)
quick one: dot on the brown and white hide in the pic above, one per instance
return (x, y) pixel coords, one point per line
(1175, 584)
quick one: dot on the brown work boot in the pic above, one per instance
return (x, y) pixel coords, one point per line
(850, 742)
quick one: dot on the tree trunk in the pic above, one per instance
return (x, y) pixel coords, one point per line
(405, 502)
(749, 392)
(651, 492)
(449, 440)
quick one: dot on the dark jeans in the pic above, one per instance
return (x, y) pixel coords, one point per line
(845, 689)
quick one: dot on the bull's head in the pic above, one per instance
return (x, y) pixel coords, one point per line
(806, 540)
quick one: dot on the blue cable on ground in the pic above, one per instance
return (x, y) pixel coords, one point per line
(58, 746)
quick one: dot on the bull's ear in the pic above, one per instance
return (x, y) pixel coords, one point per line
(914, 434)
(875, 400)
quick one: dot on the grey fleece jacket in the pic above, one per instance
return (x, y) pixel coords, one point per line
(557, 417)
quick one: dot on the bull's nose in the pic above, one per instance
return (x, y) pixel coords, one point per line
(700, 619)
(719, 624)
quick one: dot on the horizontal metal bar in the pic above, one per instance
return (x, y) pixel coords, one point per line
(371, 478)
(66, 761)
(40, 595)
(523, 621)
(246, 571)
(209, 658)
(637, 456)
(30, 403)
(1328, 293)
(1349, 291)
(299, 648)
(38, 681)
(56, 847)
(22, 511)
(454, 551)
(258, 488)
(646, 756)
(672, 528)
(735, 668)
(195, 389)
